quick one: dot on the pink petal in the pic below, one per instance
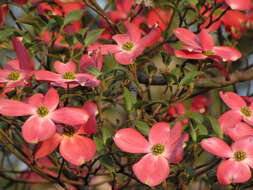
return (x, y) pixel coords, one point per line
(91, 126)
(152, 37)
(77, 149)
(240, 130)
(91, 107)
(152, 170)
(51, 99)
(36, 100)
(206, 40)
(217, 146)
(48, 76)
(249, 120)
(12, 65)
(231, 171)
(121, 39)
(124, 58)
(245, 144)
(116, 15)
(48, 146)
(227, 53)
(175, 152)
(4, 75)
(175, 133)
(25, 62)
(130, 140)
(70, 116)
(124, 6)
(37, 129)
(187, 36)
(189, 55)
(15, 108)
(158, 16)
(159, 133)
(228, 120)
(233, 100)
(239, 4)
(64, 67)
(109, 48)
(134, 32)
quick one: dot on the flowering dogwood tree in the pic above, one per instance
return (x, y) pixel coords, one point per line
(135, 94)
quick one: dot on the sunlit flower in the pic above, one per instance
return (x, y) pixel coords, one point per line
(165, 146)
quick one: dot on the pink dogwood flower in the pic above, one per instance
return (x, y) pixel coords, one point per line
(74, 147)
(13, 76)
(239, 111)
(237, 159)
(165, 146)
(40, 126)
(131, 45)
(66, 73)
(17, 72)
(203, 47)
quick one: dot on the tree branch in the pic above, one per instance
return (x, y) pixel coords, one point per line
(212, 82)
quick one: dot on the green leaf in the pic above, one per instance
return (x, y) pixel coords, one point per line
(202, 130)
(189, 77)
(99, 145)
(198, 117)
(92, 36)
(193, 2)
(73, 16)
(142, 127)
(106, 135)
(193, 133)
(94, 71)
(5, 34)
(130, 100)
(107, 162)
(3, 124)
(216, 126)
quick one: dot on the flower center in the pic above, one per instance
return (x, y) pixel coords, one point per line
(246, 111)
(69, 76)
(158, 149)
(209, 52)
(14, 75)
(240, 155)
(69, 131)
(42, 111)
(128, 46)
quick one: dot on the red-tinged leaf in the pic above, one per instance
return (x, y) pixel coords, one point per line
(25, 62)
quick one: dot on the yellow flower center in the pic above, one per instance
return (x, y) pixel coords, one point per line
(128, 46)
(42, 111)
(14, 76)
(209, 52)
(240, 155)
(158, 149)
(69, 76)
(246, 111)
(69, 131)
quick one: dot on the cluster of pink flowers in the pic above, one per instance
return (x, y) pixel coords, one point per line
(51, 125)
(235, 123)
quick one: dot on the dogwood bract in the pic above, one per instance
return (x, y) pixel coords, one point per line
(165, 146)
(40, 125)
